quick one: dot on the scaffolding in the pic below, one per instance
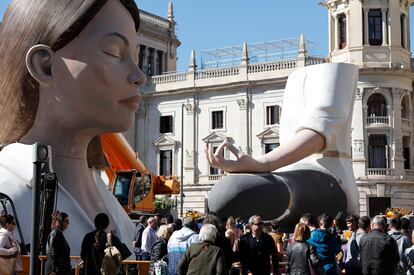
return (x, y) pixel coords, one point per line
(257, 52)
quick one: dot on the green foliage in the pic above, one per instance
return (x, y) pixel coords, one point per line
(164, 203)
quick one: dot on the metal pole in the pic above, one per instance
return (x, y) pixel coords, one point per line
(182, 162)
(39, 156)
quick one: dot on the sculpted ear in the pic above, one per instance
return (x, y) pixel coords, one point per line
(39, 63)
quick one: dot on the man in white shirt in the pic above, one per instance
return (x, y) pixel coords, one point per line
(149, 237)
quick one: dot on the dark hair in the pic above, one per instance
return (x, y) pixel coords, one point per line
(58, 217)
(27, 23)
(308, 217)
(275, 224)
(6, 219)
(405, 223)
(326, 220)
(169, 218)
(364, 222)
(101, 223)
(395, 223)
(352, 219)
(302, 232)
(142, 219)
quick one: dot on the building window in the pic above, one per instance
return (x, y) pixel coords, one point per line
(402, 22)
(270, 146)
(166, 124)
(217, 120)
(377, 151)
(159, 62)
(407, 152)
(342, 31)
(375, 27)
(272, 115)
(405, 108)
(213, 170)
(377, 106)
(142, 50)
(165, 162)
(150, 62)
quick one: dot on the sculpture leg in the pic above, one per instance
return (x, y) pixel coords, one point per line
(284, 195)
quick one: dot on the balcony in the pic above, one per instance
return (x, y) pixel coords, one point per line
(405, 124)
(380, 172)
(378, 121)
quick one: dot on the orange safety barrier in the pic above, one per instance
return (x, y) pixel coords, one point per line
(142, 266)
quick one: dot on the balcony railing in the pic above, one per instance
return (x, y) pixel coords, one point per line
(378, 120)
(380, 172)
(405, 123)
(215, 177)
(409, 172)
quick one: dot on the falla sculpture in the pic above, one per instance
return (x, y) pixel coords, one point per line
(68, 74)
(311, 170)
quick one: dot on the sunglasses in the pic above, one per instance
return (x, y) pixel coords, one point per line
(258, 224)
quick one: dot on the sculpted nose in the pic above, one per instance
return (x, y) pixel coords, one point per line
(136, 77)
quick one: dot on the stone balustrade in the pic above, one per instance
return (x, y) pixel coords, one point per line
(272, 66)
(314, 60)
(169, 78)
(214, 73)
(378, 120)
(225, 75)
(405, 123)
(380, 172)
(152, 19)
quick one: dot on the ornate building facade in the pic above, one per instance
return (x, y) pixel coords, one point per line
(184, 112)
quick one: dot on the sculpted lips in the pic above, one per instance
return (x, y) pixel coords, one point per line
(131, 102)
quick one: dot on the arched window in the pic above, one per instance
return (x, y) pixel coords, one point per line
(405, 108)
(377, 106)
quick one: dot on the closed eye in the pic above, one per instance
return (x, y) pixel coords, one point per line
(112, 54)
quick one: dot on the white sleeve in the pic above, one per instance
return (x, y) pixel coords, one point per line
(329, 95)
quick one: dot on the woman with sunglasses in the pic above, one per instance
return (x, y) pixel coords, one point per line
(9, 247)
(57, 249)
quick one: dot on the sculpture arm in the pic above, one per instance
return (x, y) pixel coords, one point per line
(303, 144)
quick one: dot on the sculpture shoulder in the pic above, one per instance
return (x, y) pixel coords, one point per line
(16, 163)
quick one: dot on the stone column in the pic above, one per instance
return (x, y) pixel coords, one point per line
(384, 27)
(366, 31)
(143, 54)
(336, 33)
(330, 31)
(358, 143)
(348, 22)
(397, 157)
(405, 33)
(188, 108)
(242, 122)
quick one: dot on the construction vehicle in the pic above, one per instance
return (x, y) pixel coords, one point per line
(134, 185)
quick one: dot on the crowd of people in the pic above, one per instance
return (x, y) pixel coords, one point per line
(211, 245)
(216, 246)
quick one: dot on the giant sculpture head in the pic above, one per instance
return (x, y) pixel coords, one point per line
(83, 51)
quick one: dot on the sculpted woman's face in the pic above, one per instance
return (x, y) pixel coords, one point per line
(95, 78)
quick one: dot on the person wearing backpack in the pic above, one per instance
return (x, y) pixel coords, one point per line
(402, 243)
(94, 244)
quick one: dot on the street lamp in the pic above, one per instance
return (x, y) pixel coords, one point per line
(182, 162)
